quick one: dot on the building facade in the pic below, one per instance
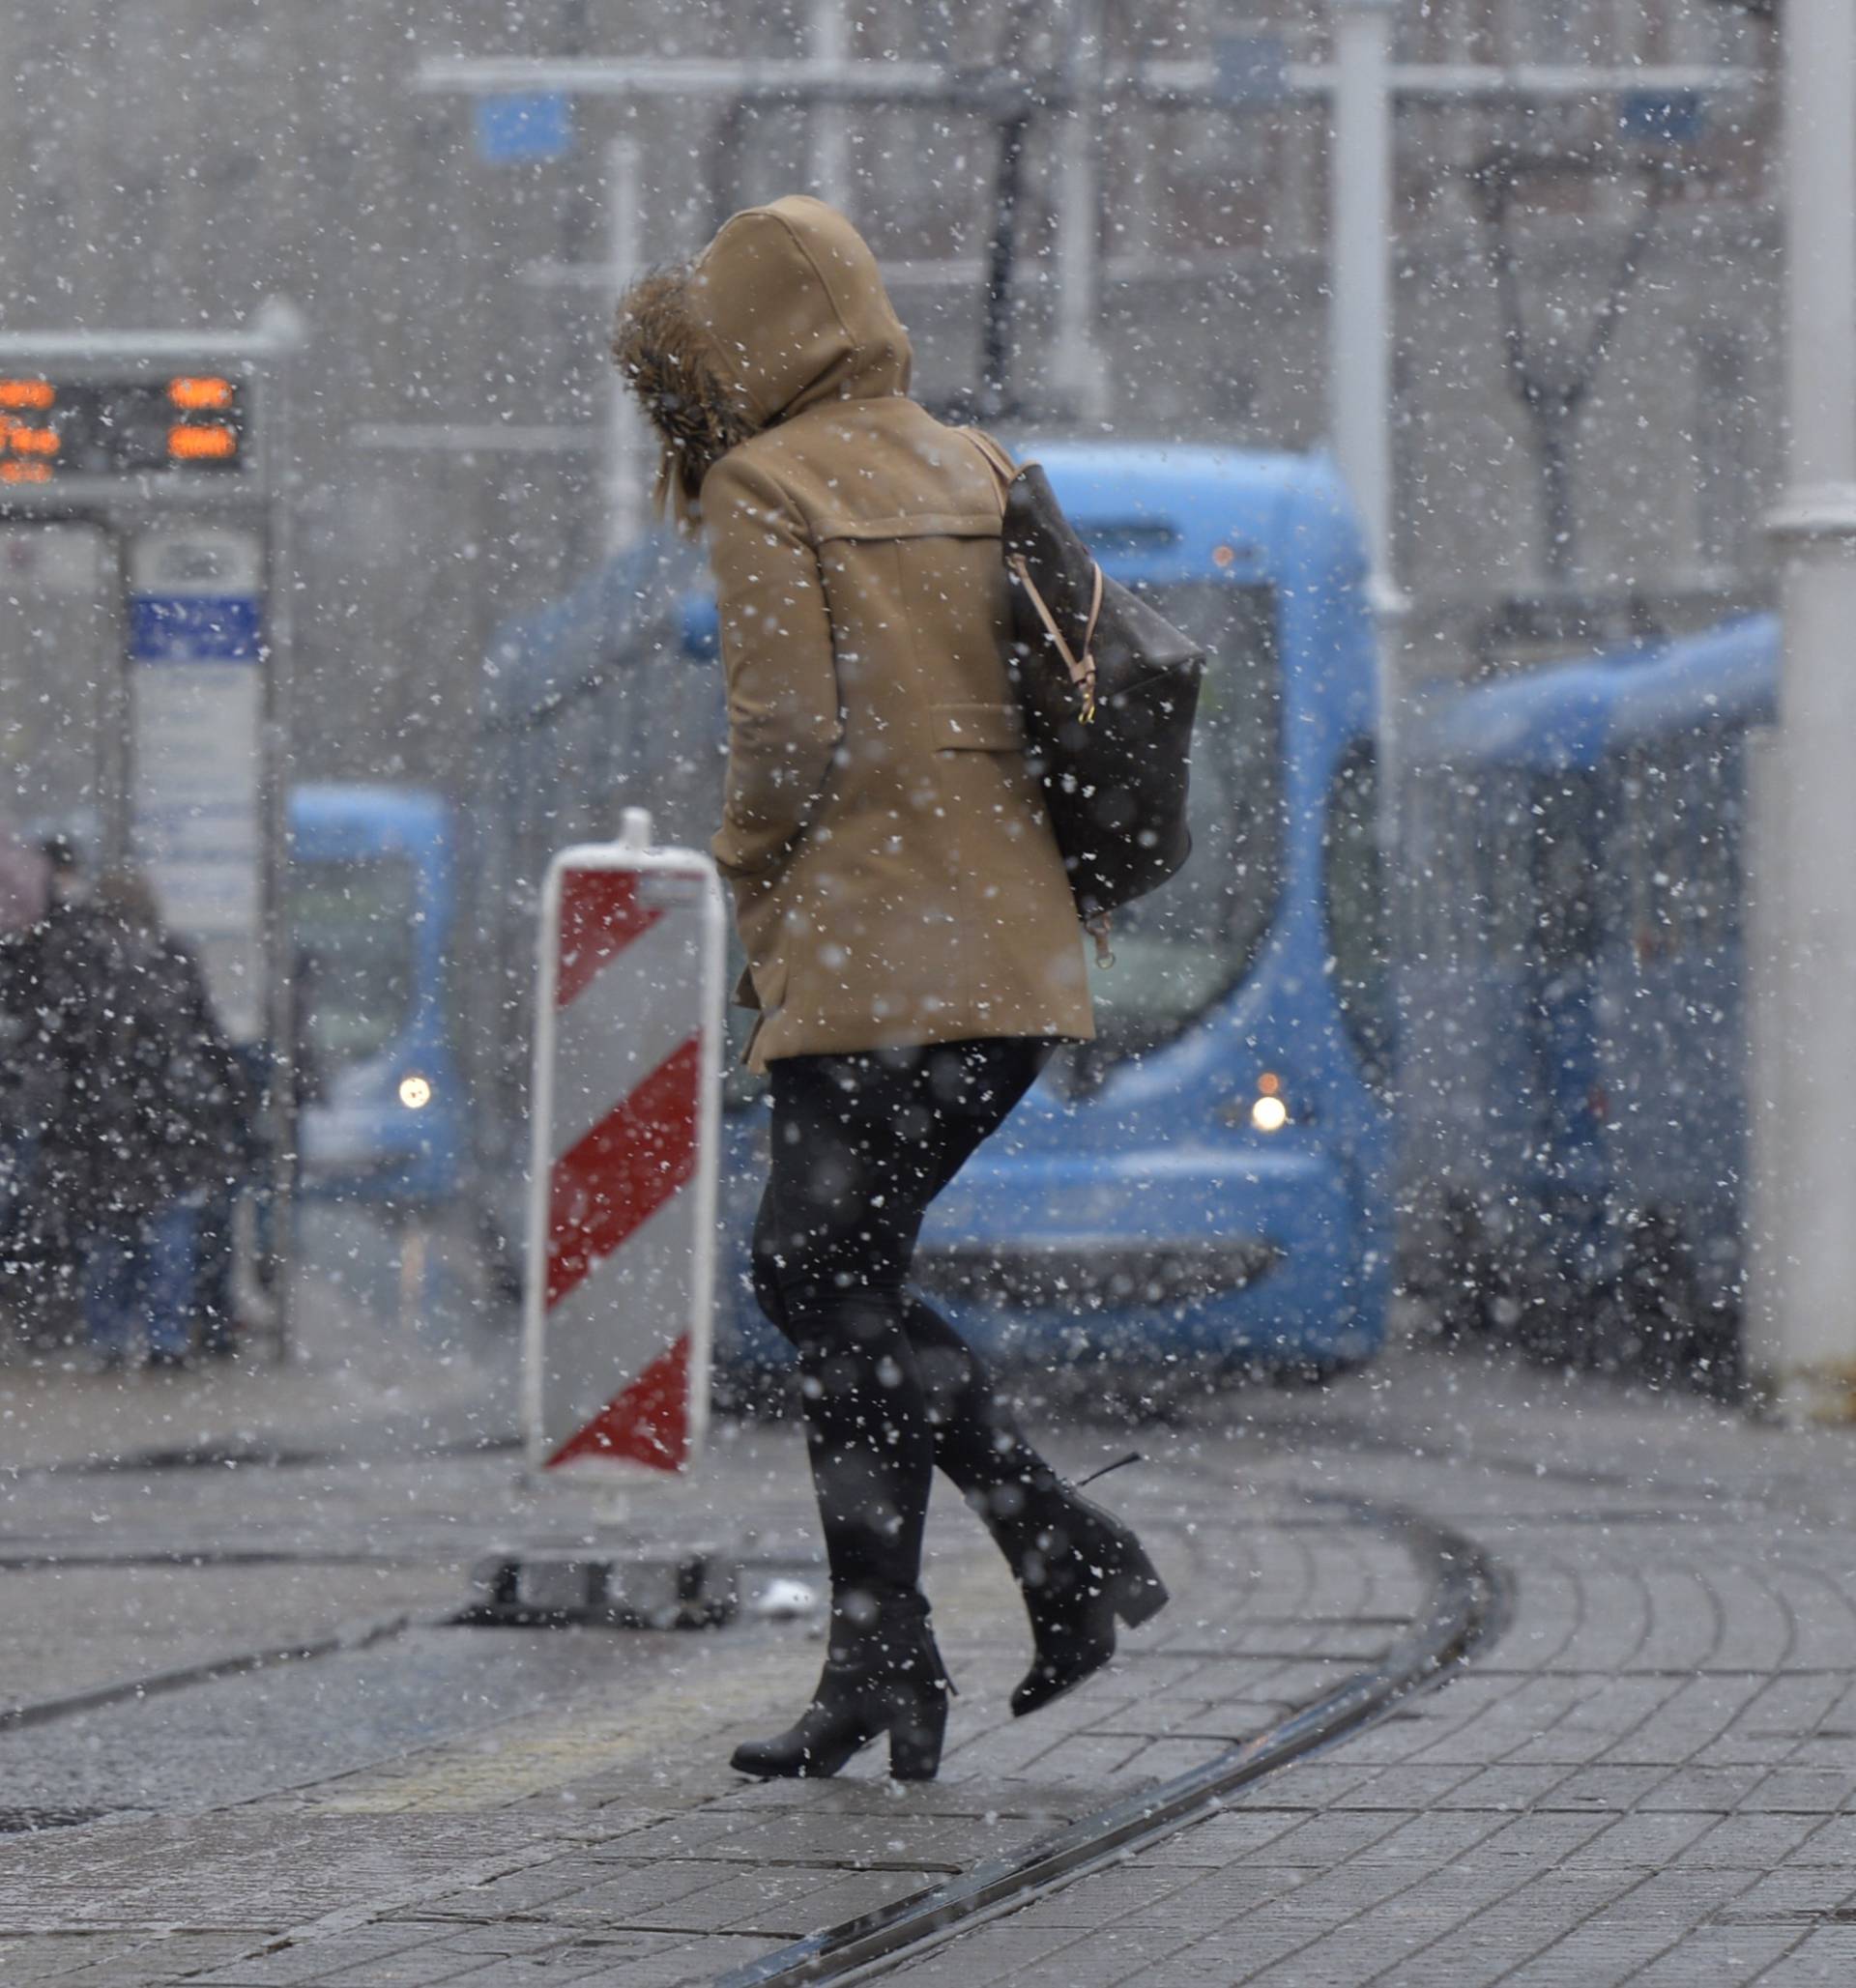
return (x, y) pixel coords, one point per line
(176, 162)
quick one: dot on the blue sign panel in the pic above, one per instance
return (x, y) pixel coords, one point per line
(1250, 69)
(196, 689)
(194, 628)
(1675, 117)
(524, 125)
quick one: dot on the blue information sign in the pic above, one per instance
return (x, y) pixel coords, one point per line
(524, 125)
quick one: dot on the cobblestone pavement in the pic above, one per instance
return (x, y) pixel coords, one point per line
(1649, 1778)
(359, 1372)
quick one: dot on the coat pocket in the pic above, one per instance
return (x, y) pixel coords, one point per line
(768, 980)
(979, 728)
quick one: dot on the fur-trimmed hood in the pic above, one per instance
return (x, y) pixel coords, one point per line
(785, 308)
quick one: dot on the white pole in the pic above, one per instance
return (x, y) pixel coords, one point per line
(1077, 370)
(1360, 347)
(1805, 1351)
(827, 44)
(625, 470)
(1361, 316)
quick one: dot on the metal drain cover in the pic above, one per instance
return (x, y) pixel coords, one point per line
(28, 1822)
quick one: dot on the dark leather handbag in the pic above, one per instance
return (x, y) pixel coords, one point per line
(1109, 689)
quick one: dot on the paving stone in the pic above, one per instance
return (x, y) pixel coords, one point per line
(310, 1960)
(1824, 1959)
(412, 1967)
(106, 1961)
(1644, 1780)
(1795, 1891)
(1763, 1842)
(1647, 1842)
(1719, 1957)
(1010, 1952)
(1803, 1791)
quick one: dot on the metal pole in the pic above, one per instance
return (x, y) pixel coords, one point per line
(1076, 371)
(623, 498)
(1361, 350)
(829, 46)
(1803, 1339)
(115, 715)
(1360, 314)
(282, 1109)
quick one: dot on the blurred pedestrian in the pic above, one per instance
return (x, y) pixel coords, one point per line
(911, 938)
(162, 1120)
(27, 1082)
(52, 969)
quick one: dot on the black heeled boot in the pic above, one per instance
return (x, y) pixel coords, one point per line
(1079, 1568)
(883, 1674)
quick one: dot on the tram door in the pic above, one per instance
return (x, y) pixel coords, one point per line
(61, 649)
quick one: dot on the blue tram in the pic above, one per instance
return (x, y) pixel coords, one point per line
(372, 917)
(1573, 1002)
(1208, 1180)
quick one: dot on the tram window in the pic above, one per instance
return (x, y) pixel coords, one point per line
(1357, 911)
(1685, 845)
(1503, 854)
(353, 934)
(1568, 851)
(1183, 948)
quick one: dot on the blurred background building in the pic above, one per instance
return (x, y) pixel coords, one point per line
(177, 161)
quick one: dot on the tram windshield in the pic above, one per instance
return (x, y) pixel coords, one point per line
(1182, 949)
(353, 934)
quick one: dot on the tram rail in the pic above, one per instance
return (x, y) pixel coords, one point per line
(1464, 1612)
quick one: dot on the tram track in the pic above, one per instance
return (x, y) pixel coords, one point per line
(211, 1670)
(1465, 1610)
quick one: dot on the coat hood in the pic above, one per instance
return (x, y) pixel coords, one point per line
(785, 308)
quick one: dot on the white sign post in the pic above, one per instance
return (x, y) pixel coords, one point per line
(627, 1111)
(621, 1227)
(196, 824)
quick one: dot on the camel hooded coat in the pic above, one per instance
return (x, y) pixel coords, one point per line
(897, 878)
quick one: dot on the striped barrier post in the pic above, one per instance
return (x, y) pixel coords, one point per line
(621, 1194)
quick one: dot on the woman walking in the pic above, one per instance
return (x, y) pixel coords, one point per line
(911, 940)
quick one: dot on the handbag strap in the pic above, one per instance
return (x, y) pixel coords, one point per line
(997, 460)
(1081, 671)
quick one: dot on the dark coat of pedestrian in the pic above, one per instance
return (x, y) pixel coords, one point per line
(912, 937)
(50, 968)
(147, 1111)
(164, 1107)
(28, 1083)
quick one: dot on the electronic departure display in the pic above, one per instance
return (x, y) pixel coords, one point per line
(181, 424)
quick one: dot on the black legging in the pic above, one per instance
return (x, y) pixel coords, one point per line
(862, 1145)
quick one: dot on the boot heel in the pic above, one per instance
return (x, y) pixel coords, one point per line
(1139, 1594)
(915, 1739)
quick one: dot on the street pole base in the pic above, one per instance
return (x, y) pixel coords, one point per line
(544, 1590)
(1808, 1396)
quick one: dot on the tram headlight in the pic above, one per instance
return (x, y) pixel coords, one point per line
(1267, 1112)
(415, 1092)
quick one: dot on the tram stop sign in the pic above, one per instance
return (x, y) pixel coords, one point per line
(155, 440)
(197, 702)
(157, 446)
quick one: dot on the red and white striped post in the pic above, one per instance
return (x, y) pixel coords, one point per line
(621, 1192)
